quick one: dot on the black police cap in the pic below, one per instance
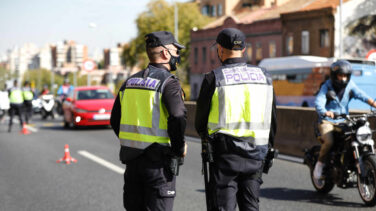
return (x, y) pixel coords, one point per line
(231, 38)
(161, 38)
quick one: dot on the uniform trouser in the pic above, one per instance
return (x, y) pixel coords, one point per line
(326, 129)
(148, 185)
(28, 110)
(12, 111)
(235, 180)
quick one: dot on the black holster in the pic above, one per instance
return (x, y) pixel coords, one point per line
(268, 162)
(174, 164)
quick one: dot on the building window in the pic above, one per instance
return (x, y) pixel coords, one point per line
(305, 42)
(258, 52)
(213, 11)
(249, 52)
(289, 44)
(219, 8)
(324, 38)
(213, 54)
(195, 55)
(272, 49)
(204, 55)
(205, 10)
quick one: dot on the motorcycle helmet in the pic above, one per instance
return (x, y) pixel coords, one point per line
(340, 67)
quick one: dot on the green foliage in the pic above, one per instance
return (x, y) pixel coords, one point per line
(4, 76)
(159, 16)
(40, 77)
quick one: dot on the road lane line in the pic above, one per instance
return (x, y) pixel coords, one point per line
(31, 128)
(102, 162)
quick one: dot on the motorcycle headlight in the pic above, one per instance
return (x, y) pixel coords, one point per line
(363, 134)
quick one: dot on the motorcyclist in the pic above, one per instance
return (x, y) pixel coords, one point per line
(45, 90)
(65, 89)
(345, 90)
(62, 93)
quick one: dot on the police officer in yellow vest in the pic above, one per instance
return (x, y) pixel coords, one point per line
(149, 118)
(236, 113)
(16, 104)
(28, 96)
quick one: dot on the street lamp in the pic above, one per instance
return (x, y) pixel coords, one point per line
(176, 15)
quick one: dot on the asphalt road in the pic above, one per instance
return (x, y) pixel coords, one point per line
(30, 178)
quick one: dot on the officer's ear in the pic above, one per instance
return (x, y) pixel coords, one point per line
(164, 54)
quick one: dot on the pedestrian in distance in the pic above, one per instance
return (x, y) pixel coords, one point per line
(149, 118)
(16, 101)
(28, 97)
(236, 120)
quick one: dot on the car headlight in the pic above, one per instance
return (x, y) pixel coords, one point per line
(79, 110)
(363, 134)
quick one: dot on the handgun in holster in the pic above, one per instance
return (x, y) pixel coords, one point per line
(207, 157)
(175, 163)
(268, 162)
(207, 150)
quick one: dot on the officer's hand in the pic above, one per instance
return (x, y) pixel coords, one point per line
(185, 150)
(329, 114)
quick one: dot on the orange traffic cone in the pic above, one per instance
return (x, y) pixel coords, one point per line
(24, 129)
(67, 157)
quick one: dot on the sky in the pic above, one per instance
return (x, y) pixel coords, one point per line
(95, 23)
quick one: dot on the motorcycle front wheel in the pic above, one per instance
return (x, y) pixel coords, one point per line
(367, 184)
(322, 186)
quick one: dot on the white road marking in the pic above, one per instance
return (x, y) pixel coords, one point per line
(102, 162)
(31, 128)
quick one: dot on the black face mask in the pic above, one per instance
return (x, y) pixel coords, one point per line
(173, 61)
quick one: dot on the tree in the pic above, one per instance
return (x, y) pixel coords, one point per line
(159, 16)
(5, 75)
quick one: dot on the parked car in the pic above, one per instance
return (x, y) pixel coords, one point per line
(88, 106)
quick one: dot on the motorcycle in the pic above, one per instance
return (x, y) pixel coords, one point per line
(59, 104)
(4, 104)
(351, 161)
(48, 103)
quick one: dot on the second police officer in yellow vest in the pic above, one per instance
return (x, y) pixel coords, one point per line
(16, 101)
(28, 96)
(149, 117)
(236, 112)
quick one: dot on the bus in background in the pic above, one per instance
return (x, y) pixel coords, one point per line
(296, 79)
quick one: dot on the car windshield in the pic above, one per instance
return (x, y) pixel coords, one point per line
(94, 94)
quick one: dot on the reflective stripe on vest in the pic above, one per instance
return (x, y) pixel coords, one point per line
(16, 96)
(28, 95)
(143, 116)
(241, 107)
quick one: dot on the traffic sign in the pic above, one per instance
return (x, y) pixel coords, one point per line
(88, 65)
(371, 55)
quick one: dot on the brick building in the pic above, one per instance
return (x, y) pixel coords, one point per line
(310, 30)
(263, 29)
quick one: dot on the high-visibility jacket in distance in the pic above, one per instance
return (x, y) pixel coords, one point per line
(16, 96)
(27, 94)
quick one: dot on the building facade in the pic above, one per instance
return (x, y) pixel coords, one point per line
(260, 23)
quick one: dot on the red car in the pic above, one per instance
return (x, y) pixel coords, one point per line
(87, 106)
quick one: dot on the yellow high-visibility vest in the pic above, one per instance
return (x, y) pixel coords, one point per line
(27, 94)
(143, 115)
(16, 96)
(241, 105)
